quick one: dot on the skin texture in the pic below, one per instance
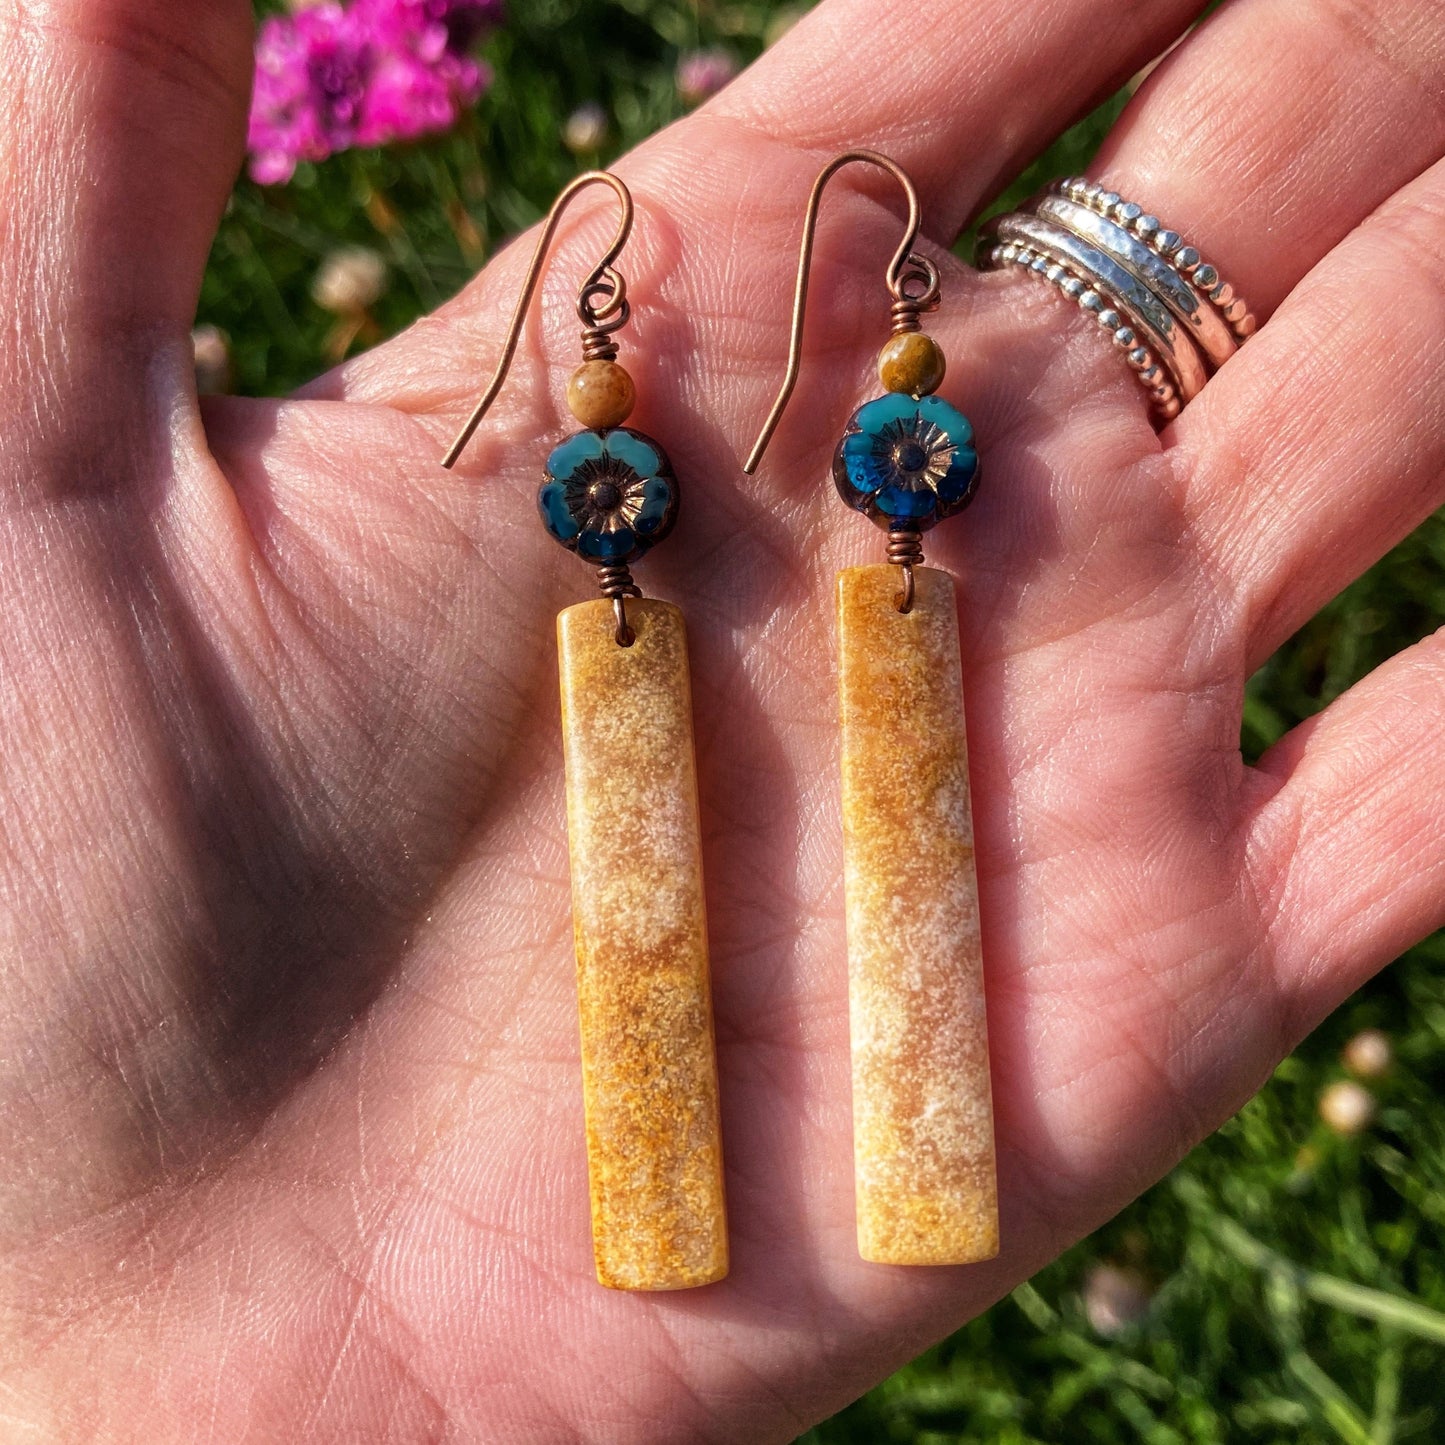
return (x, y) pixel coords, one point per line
(290, 1116)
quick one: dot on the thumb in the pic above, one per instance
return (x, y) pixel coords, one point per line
(123, 127)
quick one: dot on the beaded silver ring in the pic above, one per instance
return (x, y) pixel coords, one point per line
(1170, 312)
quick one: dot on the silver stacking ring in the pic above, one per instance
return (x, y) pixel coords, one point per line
(1171, 313)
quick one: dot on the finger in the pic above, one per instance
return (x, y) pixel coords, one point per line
(948, 88)
(124, 122)
(1347, 853)
(1323, 442)
(1278, 126)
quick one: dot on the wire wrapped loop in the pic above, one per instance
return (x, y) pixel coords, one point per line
(615, 581)
(601, 322)
(910, 302)
(905, 550)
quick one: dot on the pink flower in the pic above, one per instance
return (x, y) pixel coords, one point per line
(329, 78)
(453, 25)
(310, 83)
(408, 96)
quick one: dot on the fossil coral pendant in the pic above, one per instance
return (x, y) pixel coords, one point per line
(654, 1150)
(922, 1117)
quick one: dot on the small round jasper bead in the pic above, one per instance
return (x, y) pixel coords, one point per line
(912, 363)
(601, 395)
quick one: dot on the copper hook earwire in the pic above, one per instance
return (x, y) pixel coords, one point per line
(602, 280)
(903, 268)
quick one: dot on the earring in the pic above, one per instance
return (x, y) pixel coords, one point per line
(654, 1151)
(922, 1112)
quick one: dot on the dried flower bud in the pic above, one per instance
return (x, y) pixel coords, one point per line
(1368, 1055)
(1347, 1107)
(703, 73)
(585, 130)
(349, 281)
(1115, 1298)
(213, 360)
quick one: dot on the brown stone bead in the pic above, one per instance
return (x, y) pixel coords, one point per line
(912, 363)
(601, 394)
(922, 1115)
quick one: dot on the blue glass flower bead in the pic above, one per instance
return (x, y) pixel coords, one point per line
(907, 462)
(608, 495)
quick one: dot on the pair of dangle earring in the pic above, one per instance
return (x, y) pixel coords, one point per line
(923, 1128)
(923, 1149)
(649, 1073)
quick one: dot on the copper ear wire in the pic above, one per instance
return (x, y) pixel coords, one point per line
(904, 270)
(599, 322)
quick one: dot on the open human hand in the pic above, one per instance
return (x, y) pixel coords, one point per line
(290, 1115)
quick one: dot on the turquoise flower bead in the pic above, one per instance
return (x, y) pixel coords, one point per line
(907, 463)
(608, 495)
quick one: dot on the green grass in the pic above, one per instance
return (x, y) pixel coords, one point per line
(1298, 1277)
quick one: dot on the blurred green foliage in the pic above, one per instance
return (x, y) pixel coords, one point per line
(1295, 1276)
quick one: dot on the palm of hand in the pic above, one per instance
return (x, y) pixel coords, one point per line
(293, 1111)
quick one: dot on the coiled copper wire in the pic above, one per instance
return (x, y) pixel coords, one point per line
(614, 580)
(905, 550)
(905, 316)
(601, 323)
(909, 304)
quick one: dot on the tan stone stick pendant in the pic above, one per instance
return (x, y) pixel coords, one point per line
(922, 1119)
(649, 1078)
(923, 1145)
(654, 1149)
